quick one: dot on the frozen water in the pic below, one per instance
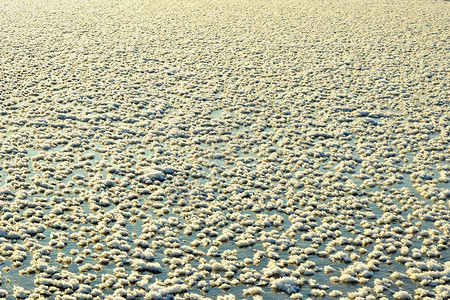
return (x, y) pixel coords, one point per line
(171, 149)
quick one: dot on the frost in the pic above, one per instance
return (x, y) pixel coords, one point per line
(288, 285)
(224, 149)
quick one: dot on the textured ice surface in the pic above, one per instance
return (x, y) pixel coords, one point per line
(224, 149)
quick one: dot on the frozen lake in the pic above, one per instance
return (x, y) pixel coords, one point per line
(224, 149)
